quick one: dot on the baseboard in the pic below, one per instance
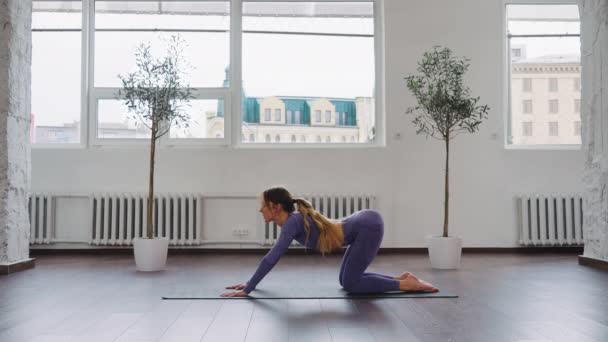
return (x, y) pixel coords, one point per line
(525, 250)
(262, 250)
(591, 262)
(17, 266)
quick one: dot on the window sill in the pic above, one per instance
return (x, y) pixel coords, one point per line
(547, 147)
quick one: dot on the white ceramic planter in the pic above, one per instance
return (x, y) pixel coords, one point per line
(445, 252)
(150, 254)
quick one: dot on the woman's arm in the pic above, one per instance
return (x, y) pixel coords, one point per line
(271, 259)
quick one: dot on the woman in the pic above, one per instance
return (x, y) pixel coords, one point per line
(362, 232)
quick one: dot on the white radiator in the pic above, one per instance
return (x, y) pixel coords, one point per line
(332, 206)
(551, 219)
(118, 218)
(40, 210)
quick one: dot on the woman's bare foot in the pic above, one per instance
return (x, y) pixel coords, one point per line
(403, 275)
(412, 283)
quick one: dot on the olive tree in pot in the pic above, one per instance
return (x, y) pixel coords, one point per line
(156, 97)
(444, 109)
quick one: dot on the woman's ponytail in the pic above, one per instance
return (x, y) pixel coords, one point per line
(331, 237)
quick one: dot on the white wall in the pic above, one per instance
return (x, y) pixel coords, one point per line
(406, 175)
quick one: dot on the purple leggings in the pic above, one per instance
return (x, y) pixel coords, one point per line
(365, 231)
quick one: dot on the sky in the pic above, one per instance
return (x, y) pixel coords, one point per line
(543, 19)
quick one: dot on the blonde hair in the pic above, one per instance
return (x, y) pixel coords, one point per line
(331, 237)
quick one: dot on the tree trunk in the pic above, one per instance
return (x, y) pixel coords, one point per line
(447, 186)
(149, 227)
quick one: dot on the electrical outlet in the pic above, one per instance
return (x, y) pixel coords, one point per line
(240, 232)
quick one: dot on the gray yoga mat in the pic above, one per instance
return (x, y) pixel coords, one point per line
(288, 291)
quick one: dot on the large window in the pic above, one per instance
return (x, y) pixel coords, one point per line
(323, 56)
(56, 72)
(322, 61)
(544, 43)
(120, 26)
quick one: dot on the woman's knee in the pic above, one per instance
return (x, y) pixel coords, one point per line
(349, 283)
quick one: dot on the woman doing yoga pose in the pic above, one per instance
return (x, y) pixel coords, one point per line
(360, 232)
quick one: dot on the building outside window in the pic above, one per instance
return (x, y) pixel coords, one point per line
(544, 41)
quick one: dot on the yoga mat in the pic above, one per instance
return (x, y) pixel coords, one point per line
(275, 291)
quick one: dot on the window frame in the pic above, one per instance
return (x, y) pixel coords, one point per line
(528, 110)
(83, 143)
(553, 85)
(318, 116)
(277, 115)
(506, 62)
(550, 125)
(233, 123)
(289, 117)
(101, 93)
(268, 114)
(551, 104)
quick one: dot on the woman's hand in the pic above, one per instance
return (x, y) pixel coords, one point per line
(237, 287)
(235, 294)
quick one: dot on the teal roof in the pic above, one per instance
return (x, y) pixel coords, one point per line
(302, 106)
(251, 108)
(349, 108)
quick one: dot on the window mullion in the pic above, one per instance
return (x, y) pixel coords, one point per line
(380, 129)
(90, 68)
(84, 74)
(233, 119)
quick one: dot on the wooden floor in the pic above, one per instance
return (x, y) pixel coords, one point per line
(502, 298)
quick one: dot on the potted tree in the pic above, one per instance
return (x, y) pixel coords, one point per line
(444, 109)
(156, 97)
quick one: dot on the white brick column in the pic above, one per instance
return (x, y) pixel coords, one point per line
(15, 84)
(594, 115)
